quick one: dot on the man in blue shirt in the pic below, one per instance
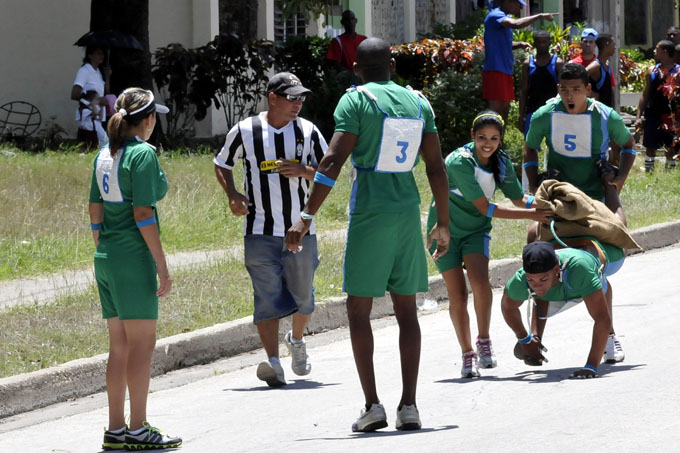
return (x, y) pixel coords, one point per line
(497, 85)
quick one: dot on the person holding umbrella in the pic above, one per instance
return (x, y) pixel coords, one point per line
(90, 78)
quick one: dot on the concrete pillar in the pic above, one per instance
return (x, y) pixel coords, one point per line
(617, 33)
(206, 26)
(409, 20)
(265, 19)
(450, 13)
(368, 18)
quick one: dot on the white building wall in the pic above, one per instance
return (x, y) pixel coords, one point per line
(39, 60)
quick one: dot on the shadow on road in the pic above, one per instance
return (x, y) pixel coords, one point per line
(544, 375)
(297, 384)
(352, 436)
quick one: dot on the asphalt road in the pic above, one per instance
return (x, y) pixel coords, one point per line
(634, 406)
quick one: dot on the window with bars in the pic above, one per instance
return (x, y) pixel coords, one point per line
(293, 26)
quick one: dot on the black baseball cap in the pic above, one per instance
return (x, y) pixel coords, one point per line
(286, 83)
(539, 257)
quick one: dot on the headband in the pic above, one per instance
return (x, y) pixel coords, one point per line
(492, 115)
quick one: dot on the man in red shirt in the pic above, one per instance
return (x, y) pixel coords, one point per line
(587, 56)
(343, 49)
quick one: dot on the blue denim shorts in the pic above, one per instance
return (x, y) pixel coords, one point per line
(283, 281)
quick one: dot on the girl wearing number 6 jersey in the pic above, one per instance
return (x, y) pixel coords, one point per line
(127, 182)
(474, 172)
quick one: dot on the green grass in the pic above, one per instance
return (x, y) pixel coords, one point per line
(45, 227)
(43, 200)
(38, 336)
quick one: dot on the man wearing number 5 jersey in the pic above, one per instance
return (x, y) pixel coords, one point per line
(577, 131)
(385, 128)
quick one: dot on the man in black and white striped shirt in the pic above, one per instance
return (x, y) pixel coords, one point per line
(280, 153)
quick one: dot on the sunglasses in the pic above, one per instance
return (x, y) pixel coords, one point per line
(293, 97)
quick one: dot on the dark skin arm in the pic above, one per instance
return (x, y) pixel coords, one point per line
(531, 155)
(513, 318)
(518, 212)
(340, 148)
(524, 90)
(594, 73)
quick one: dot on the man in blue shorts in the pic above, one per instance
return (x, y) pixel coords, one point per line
(558, 280)
(385, 128)
(280, 152)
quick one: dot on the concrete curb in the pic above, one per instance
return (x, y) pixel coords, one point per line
(82, 377)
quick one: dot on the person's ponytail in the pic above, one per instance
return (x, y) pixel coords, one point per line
(116, 130)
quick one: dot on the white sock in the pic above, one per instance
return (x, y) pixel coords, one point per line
(274, 360)
(137, 431)
(117, 431)
(295, 340)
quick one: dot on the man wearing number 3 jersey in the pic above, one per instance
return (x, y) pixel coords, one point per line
(385, 128)
(577, 130)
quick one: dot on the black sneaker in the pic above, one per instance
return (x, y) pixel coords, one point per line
(149, 439)
(114, 441)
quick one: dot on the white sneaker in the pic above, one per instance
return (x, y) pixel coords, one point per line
(298, 354)
(470, 368)
(370, 420)
(408, 418)
(487, 358)
(271, 373)
(613, 353)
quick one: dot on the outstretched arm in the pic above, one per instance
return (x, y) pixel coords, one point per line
(340, 148)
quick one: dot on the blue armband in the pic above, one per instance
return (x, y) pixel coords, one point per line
(531, 163)
(147, 222)
(305, 216)
(95, 226)
(530, 201)
(492, 208)
(590, 367)
(323, 179)
(628, 151)
(526, 340)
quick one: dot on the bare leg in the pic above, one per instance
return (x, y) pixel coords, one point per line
(361, 335)
(299, 325)
(116, 381)
(478, 273)
(457, 289)
(532, 234)
(609, 295)
(500, 107)
(406, 313)
(141, 336)
(269, 335)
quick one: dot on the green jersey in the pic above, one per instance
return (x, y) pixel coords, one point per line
(389, 121)
(580, 277)
(469, 180)
(133, 177)
(577, 141)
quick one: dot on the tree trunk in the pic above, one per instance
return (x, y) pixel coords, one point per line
(129, 67)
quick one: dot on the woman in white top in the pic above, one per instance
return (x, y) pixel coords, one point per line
(90, 78)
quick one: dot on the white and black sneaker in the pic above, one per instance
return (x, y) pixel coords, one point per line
(371, 419)
(298, 353)
(150, 438)
(613, 353)
(271, 372)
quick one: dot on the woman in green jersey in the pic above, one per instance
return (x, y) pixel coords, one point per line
(127, 181)
(474, 172)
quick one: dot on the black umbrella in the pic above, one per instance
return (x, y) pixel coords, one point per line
(109, 39)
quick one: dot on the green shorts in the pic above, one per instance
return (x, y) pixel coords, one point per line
(385, 252)
(127, 287)
(473, 243)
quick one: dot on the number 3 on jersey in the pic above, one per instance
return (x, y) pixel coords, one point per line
(399, 145)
